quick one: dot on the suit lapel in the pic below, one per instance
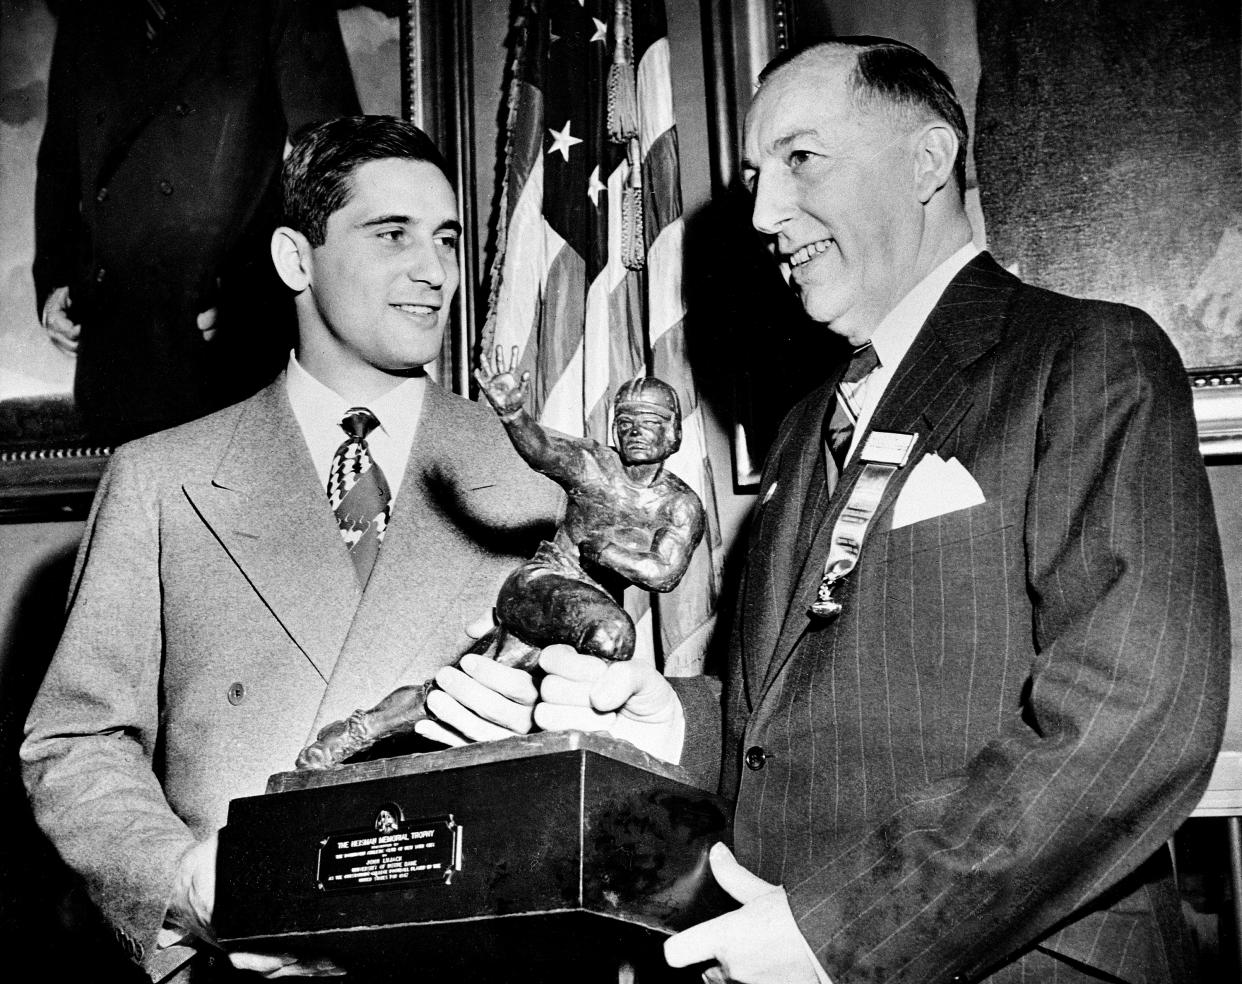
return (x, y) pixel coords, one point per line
(928, 395)
(789, 486)
(265, 506)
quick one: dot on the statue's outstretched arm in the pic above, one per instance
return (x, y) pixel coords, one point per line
(561, 458)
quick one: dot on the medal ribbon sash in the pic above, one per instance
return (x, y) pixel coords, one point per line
(883, 455)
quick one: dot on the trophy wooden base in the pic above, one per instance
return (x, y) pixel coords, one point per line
(548, 857)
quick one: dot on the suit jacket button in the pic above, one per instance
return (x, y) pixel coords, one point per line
(166, 187)
(237, 693)
(100, 274)
(182, 109)
(101, 195)
(755, 757)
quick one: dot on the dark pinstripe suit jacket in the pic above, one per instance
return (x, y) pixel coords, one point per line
(967, 773)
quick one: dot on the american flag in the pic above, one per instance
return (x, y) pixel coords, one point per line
(587, 275)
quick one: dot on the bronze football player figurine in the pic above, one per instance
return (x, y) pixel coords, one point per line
(628, 521)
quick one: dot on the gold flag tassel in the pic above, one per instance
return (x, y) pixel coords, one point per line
(622, 91)
(633, 238)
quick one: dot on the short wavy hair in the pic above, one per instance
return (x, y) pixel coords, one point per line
(315, 180)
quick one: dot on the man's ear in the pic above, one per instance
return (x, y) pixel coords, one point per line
(291, 254)
(935, 153)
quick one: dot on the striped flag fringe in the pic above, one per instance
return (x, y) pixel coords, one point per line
(586, 279)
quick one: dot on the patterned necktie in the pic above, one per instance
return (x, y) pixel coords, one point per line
(358, 492)
(843, 412)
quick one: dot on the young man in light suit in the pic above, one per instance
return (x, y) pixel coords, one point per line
(962, 760)
(248, 577)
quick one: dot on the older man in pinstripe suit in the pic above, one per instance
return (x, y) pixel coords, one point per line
(978, 669)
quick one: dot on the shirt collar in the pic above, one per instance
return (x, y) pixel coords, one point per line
(317, 406)
(895, 334)
(318, 409)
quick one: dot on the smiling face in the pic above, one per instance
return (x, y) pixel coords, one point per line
(378, 291)
(834, 189)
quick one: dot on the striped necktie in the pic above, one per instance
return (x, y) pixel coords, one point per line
(843, 411)
(358, 492)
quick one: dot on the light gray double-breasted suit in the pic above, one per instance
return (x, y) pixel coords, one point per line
(216, 622)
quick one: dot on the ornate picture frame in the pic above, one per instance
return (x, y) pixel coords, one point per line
(1218, 410)
(48, 469)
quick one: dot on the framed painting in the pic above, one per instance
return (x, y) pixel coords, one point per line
(41, 440)
(1145, 210)
(405, 57)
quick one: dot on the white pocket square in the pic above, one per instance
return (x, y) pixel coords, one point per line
(934, 488)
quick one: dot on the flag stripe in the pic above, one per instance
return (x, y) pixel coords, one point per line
(515, 308)
(667, 307)
(660, 170)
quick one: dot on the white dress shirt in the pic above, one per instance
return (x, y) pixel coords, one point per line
(894, 335)
(319, 410)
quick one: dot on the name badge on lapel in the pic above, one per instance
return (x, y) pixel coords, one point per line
(882, 455)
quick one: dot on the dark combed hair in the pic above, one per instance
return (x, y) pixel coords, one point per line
(315, 180)
(901, 77)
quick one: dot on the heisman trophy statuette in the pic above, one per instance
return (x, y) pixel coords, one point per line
(628, 520)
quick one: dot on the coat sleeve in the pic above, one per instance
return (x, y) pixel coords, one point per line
(311, 66)
(58, 223)
(700, 702)
(1116, 739)
(92, 733)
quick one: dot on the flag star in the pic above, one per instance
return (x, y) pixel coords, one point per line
(594, 187)
(562, 141)
(601, 31)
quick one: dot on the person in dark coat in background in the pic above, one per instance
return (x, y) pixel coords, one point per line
(157, 190)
